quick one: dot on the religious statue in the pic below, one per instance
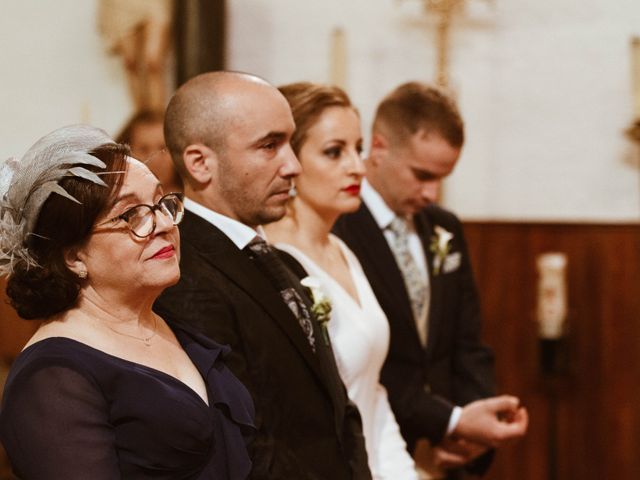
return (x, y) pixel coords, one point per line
(140, 32)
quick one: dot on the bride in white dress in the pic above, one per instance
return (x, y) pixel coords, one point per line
(328, 144)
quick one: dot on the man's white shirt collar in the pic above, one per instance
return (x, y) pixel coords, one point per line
(382, 214)
(239, 233)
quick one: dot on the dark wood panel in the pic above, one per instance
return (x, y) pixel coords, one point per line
(200, 37)
(597, 428)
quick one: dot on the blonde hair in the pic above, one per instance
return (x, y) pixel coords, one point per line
(307, 101)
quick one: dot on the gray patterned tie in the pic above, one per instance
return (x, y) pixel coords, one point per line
(413, 278)
(267, 260)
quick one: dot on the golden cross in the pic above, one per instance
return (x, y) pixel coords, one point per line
(445, 9)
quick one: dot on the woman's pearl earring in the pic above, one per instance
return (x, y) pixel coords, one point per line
(82, 274)
(292, 190)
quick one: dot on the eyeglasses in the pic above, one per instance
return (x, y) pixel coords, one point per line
(141, 219)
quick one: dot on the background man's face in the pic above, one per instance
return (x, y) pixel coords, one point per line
(147, 139)
(258, 165)
(147, 145)
(411, 174)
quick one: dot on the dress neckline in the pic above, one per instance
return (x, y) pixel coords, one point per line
(155, 371)
(357, 302)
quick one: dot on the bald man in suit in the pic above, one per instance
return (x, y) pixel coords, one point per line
(228, 134)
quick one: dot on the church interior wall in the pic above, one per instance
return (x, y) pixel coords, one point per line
(55, 71)
(545, 87)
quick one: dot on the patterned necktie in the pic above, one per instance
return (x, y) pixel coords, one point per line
(413, 277)
(268, 261)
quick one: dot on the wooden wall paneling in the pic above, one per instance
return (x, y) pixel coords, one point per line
(597, 428)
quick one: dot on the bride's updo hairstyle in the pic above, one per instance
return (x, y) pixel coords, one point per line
(56, 193)
(307, 101)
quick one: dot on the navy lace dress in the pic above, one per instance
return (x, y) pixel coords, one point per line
(73, 412)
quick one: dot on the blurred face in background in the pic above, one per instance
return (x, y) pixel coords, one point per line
(147, 145)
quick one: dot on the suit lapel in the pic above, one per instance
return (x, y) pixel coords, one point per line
(378, 254)
(424, 228)
(218, 250)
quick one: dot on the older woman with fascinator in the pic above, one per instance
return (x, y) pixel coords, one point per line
(328, 144)
(105, 388)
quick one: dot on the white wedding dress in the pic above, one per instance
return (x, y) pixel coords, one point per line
(359, 334)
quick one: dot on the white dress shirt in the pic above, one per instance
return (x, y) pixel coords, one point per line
(239, 233)
(383, 216)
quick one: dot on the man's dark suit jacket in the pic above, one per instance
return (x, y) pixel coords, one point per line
(455, 368)
(307, 428)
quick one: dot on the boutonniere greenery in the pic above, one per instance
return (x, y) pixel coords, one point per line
(440, 247)
(321, 307)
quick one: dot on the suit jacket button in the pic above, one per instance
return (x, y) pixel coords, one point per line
(427, 388)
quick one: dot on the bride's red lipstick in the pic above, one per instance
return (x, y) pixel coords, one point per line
(353, 189)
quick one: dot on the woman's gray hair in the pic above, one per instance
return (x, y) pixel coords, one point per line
(27, 183)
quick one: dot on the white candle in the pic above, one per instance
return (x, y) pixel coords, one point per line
(552, 295)
(338, 58)
(635, 75)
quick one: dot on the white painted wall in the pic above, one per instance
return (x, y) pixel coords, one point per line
(54, 71)
(544, 87)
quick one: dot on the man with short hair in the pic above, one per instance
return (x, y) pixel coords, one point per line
(415, 257)
(228, 134)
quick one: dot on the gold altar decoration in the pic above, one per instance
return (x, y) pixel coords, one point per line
(445, 10)
(633, 132)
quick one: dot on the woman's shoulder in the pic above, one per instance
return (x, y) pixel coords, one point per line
(53, 354)
(56, 350)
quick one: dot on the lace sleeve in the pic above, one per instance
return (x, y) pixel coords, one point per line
(54, 425)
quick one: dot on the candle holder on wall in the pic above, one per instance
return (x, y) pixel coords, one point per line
(551, 316)
(551, 312)
(553, 356)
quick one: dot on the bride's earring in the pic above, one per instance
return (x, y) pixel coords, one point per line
(292, 190)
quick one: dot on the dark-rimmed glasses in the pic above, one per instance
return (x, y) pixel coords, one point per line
(141, 219)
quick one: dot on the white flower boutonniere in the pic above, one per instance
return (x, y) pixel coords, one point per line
(321, 307)
(440, 246)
